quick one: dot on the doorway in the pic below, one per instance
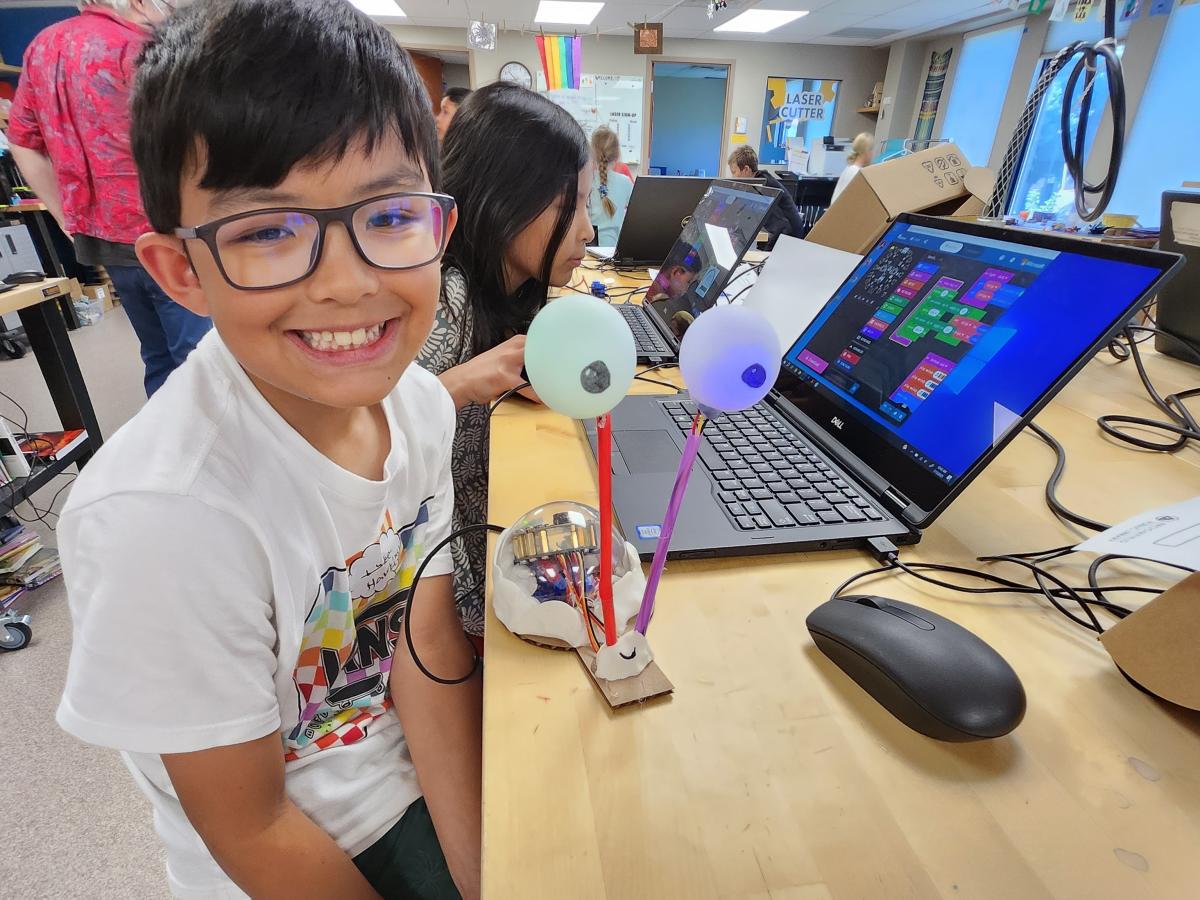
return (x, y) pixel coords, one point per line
(688, 112)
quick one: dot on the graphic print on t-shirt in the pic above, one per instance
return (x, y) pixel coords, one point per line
(341, 675)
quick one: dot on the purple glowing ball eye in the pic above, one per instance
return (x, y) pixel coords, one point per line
(755, 376)
(729, 358)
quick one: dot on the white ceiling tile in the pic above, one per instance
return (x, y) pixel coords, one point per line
(825, 17)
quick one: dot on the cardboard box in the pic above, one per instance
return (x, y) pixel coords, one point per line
(103, 293)
(936, 182)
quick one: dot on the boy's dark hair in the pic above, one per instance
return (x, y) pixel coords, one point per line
(260, 86)
(457, 95)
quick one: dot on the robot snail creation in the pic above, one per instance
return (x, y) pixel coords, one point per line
(562, 576)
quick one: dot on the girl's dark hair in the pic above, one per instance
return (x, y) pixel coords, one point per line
(508, 155)
(262, 86)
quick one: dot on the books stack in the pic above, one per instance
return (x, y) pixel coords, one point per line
(20, 454)
(24, 563)
(51, 445)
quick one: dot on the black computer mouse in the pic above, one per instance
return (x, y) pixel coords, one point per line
(931, 674)
(24, 277)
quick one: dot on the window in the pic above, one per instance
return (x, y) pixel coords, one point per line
(1043, 185)
(1160, 149)
(980, 85)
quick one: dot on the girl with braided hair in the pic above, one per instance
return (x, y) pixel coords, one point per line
(610, 189)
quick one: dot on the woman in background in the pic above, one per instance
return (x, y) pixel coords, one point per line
(520, 169)
(610, 190)
(448, 108)
(861, 155)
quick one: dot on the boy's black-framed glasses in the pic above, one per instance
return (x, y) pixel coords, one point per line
(265, 249)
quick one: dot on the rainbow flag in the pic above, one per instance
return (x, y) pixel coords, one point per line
(561, 57)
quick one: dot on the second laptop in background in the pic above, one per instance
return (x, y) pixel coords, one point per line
(659, 207)
(723, 226)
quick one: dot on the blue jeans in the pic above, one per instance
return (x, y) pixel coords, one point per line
(166, 331)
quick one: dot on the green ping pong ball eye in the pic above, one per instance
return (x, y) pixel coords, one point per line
(729, 358)
(580, 356)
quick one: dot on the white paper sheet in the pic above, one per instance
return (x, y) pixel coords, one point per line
(796, 283)
(1169, 534)
(1185, 223)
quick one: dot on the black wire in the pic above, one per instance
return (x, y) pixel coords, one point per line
(1006, 586)
(505, 396)
(672, 364)
(412, 593)
(667, 384)
(1042, 555)
(637, 273)
(861, 575)
(39, 515)
(1093, 587)
(1099, 561)
(1093, 575)
(1060, 465)
(742, 291)
(755, 267)
(24, 413)
(1104, 51)
(1055, 592)
(1180, 422)
(1039, 573)
(1089, 57)
(24, 495)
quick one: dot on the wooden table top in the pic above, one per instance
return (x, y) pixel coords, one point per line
(28, 206)
(769, 774)
(32, 294)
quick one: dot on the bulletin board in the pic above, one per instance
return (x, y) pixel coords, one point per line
(612, 100)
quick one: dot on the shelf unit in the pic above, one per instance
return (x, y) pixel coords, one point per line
(869, 110)
(19, 490)
(46, 330)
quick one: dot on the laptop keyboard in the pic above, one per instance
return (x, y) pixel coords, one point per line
(767, 477)
(649, 341)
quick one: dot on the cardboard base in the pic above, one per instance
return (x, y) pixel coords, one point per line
(649, 684)
(1155, 646)
(548, 643)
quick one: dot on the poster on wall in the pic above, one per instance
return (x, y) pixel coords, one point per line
(795, 108)
(931, 97)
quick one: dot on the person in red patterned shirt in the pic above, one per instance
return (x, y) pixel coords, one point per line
(69, 131)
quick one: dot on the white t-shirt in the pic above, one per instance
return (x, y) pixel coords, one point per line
(227, 580)
(844, 179)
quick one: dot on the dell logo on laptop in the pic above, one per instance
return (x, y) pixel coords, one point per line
(837, 423)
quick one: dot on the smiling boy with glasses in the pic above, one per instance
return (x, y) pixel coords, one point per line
(238, 556)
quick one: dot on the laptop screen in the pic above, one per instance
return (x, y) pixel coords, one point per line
(946, 335)
(723, 227)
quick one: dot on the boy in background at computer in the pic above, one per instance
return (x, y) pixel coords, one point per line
(238, 557)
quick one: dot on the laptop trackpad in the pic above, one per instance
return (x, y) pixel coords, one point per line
(646, 452)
